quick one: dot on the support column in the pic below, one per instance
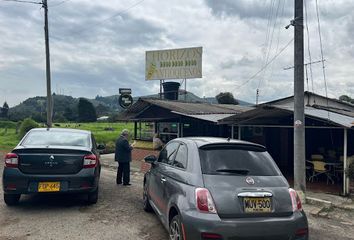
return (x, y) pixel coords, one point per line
(345, 164)
(239, 132)
(135, 130)
(181, 128)
(232, 131)
(178, 129)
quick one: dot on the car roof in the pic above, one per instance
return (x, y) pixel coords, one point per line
(203, 141)
(60, 130)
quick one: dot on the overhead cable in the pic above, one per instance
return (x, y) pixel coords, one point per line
(21, 1)
(265, 66)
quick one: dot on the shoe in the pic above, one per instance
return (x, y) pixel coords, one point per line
(118, 183)
(126, 184)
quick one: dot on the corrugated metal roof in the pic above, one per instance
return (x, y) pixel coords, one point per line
(202, 111)
(336, 118)
(206, 117)
(195, 108)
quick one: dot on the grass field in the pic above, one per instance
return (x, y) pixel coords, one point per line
(105, 133)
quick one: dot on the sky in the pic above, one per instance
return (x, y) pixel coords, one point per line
(98, 47)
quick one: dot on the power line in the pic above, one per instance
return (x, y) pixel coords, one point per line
(265, 66)
(267, 43)
(270, 20)
(109, 18)
(321, 47)
(21, 1)
(271, 38)
(271, 46)
(309, 49)
(60, 3)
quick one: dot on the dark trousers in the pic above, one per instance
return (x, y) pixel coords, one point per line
(123, 171)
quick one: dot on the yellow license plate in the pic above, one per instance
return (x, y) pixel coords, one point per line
(49, 187)
(257, 205)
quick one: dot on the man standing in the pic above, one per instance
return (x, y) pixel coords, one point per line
(123, 155)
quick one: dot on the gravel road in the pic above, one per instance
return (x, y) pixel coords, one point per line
(117, 215)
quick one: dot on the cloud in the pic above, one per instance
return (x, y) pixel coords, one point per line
(99, 46)
(246, 9)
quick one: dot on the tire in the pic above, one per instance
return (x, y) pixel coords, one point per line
(92, 197)
(175, 229)
(147, 207)
(11, 199)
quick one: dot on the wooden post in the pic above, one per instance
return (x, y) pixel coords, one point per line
(135, 130)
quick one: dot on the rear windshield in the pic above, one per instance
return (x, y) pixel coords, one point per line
(56, 138)
(234, 161)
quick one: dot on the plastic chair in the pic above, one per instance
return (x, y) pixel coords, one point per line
(319, 168)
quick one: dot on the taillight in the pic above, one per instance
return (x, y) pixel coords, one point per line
(302, 232)
(295, 200)
(204, 201)
(90, 161)
(211, 236)
(11, 160)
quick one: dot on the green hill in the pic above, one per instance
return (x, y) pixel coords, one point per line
(65, 107)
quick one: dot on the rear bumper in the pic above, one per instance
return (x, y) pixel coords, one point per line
(276, 228)
(16, 182)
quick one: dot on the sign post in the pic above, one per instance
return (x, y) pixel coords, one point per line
(125, 99)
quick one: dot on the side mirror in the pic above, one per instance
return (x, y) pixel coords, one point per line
(150, 159)
(101, 147)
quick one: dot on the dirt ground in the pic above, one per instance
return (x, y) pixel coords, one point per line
(117, 215)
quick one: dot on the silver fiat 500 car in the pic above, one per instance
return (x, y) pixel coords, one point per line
(214, 188)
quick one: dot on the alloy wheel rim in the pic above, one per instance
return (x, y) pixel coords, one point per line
(175, 231)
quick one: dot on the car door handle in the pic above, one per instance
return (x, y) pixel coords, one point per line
(163, 180)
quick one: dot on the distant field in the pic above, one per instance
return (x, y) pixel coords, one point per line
(8, 139)
(105, 133)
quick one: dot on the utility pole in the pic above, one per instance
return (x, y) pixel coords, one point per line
(299, 115)
(49, 91)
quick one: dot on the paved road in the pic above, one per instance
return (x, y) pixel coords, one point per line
(117, 215)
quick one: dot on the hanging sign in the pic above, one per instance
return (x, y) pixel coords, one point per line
(184, 63)
(125, 99)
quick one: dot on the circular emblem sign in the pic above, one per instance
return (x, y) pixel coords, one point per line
(125, 100)
(250, 181)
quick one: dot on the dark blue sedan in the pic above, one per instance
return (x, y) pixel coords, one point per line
(52, 160)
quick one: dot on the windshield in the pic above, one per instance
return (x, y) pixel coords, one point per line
(57, 138)
(233, 161)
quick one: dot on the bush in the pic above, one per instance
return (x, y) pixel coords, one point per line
(110, 148)
(26, 125)
(351, 171)
(7, 124)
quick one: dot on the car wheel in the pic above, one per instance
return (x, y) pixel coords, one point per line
(92, 197)
(175, 228)
(147, 206)
(11, 199)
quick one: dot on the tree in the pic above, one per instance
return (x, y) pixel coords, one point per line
(226, 98)
(5, 110)
(345, 98)
(27, 125)
(69, 114)
(102, 110)
(86, 111)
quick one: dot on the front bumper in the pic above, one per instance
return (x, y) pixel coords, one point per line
(16, 182)
(274, 228)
